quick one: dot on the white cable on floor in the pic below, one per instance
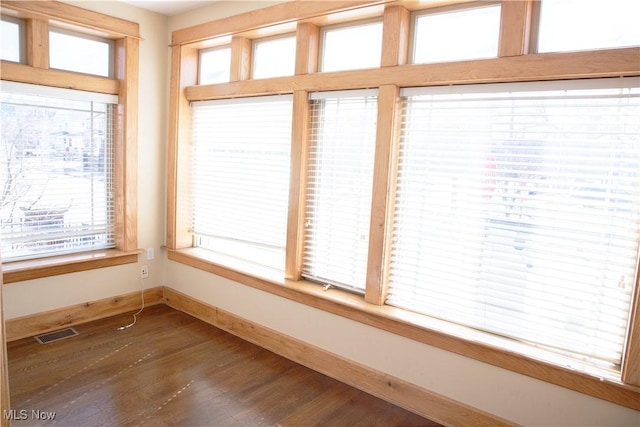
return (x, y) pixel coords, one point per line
(135, 316)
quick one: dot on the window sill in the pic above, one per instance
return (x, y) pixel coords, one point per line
(473, 344)
(18, 271)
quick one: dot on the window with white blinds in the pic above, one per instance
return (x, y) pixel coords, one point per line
(340, 179)
(240, 181)
(518, 211)
(56, 171)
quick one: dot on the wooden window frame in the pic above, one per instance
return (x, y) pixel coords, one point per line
(125, 35)
(514, 63)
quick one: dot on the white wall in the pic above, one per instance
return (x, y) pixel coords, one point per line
(504, 393)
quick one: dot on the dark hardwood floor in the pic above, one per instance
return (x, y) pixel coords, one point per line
(171, 369)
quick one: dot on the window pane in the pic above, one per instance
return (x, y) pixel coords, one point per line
(56, 164)
(518, 213)
(215, 66)
(457, 35)
(339, 189)
(354, 47)
(588, 24)
(10, 41)
(274, 58)
(79, 54)
(240, 182)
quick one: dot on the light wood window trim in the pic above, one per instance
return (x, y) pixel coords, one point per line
(396, 24)
(52, 266)
(292, 11)
(57, 78)
(514, 65)
(38, 15)
(307, 45)
(515, 28)
(385, 166)
(548, 66)
(37, 41)
(126, 165)
(240, 59)
(5, 404)
(297, 185)
(631, 362)
(535, 26)
(184, 73)
(307, 48)
(62, 12)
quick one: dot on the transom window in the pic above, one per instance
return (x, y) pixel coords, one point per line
(570, 25)
(80, 53)
(11, 46)
(274, 57)
(215, 65)
(350, 47)
(456, 34)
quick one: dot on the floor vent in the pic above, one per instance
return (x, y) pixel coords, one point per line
(56, 336)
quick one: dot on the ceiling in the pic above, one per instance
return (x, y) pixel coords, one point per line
(168, 7)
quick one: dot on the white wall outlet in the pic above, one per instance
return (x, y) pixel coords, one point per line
(144, 271)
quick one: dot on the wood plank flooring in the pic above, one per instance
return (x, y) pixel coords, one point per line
(171, 369)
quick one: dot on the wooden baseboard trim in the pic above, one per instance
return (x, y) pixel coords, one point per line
(28, 326)
(399, 392)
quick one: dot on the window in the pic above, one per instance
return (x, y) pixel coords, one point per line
(92, 224)
(215, 65)
(240, 182)
(339, 187)
(455, 35)
(80, 53)
(477, 190)
(570, 25)
(56, 163)
(518, 211)
(274, 57)
(351, 47)
(12, 39)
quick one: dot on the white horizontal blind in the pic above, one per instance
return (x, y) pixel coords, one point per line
(56, 174)
(240, 181)
(518, 211)
(340, 179)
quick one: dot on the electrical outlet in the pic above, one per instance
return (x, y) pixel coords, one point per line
(144, 271)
